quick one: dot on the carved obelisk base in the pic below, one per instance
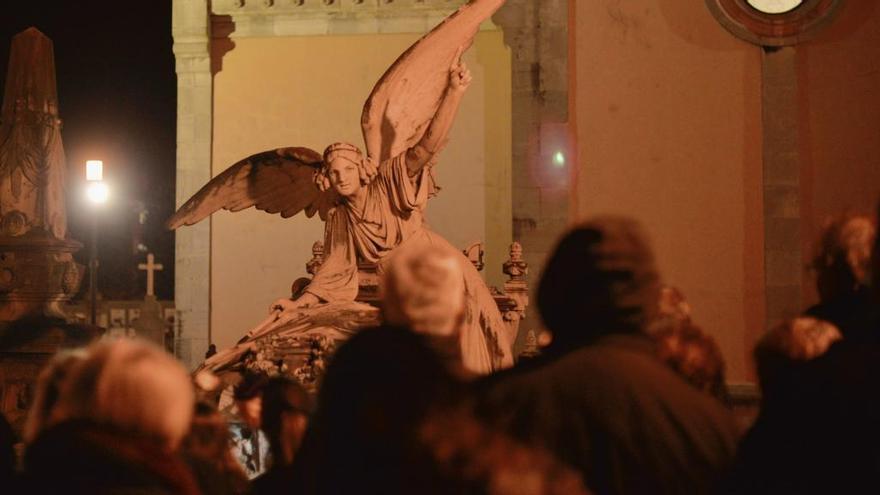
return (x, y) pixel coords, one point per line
(26, 346)
(37, 274)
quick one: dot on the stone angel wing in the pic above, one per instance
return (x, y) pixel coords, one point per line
(278, 181)
(404, 101)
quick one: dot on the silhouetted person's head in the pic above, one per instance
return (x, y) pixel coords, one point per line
(601, 279)
(206, 447)
(131, 386)
(693, 354)
(672, 304)
(48, 389)
(781, 350)
(285, 415)
(843, 260)
(208, 436)
(248, 396)
(423, 290)
(875, 265)
(7, 451)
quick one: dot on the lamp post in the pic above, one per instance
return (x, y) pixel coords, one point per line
(97, 192)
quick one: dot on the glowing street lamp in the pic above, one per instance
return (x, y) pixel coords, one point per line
(96, 189)
(94, 170)
(97, 192)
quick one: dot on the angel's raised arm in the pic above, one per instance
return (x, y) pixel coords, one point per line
(412, 106)
(435, 136)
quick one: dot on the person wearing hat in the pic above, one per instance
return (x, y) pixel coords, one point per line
(284, 416)
(383, 382)
(599, 398)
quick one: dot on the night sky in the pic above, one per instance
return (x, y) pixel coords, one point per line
(117, 99)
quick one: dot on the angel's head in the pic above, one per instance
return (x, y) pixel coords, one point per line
(343, 170)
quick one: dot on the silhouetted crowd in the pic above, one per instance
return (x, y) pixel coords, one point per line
(627, 397)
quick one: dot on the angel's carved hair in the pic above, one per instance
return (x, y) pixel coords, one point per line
(345, 151)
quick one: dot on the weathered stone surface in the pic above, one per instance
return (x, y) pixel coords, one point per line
(37, 274)
(783, 261)
(537, 33)
(37, 271)
(318, 17)
(150, 325)
(26, 346)
(33, 168)
(190, 29)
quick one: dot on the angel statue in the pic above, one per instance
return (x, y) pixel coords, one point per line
(373, 203)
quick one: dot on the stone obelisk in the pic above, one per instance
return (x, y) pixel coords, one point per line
(37, 271)
(36, 268)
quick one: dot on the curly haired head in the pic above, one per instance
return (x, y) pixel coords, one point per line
(843, 258)
(779, 352)
(692, 353)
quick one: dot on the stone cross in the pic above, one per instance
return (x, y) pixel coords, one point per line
(150, 267)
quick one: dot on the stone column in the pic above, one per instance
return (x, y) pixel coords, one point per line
(783, 263)
(191, 31)
(537, 33)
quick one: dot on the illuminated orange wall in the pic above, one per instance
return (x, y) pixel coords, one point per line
(668, 130)
(839, 75)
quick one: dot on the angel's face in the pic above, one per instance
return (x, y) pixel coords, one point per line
(344, 177)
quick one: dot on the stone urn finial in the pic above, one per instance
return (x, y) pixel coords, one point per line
(317, 258)
(516, 267)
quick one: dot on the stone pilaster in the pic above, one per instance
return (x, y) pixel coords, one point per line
(537, 33)
(191, 31)
(783, 263)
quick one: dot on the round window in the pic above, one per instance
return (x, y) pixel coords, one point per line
(775, 6)
(773, 22)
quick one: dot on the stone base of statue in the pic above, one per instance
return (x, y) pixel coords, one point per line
(295, 344)
(26, 345)
(299, 343)
(37, 275)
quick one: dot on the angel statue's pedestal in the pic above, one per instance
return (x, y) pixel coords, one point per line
(300, 344)
(37, 271)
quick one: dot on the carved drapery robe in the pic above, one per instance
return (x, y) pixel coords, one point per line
(393, 216)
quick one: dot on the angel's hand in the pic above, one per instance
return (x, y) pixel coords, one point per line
(459, 74)
(283, 305)
(459, 77)
(371, 168)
